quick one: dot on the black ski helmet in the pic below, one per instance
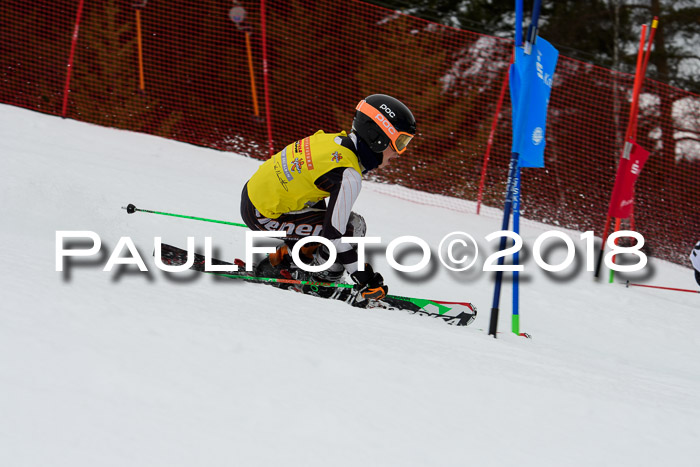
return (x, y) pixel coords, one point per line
(381, 120)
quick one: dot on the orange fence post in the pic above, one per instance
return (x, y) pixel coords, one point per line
(139, 43)
(237, 14)
(253, 90)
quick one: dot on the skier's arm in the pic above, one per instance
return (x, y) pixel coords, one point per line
(344, 185)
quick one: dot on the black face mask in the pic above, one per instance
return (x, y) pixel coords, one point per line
(370, 160)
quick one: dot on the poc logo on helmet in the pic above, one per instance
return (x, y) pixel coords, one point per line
(387, 110)
(385, 123)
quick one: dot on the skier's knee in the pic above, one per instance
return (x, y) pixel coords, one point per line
(357, 227)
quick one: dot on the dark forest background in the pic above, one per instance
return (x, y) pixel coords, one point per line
(602, 32)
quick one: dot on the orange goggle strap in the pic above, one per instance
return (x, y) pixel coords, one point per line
(399, 139)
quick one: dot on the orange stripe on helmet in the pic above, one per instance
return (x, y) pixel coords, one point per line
(395, 136)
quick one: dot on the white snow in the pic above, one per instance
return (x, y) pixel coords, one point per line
(146, 369)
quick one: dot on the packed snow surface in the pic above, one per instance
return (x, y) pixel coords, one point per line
(130, 368)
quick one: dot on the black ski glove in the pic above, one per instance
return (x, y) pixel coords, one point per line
(369, 285)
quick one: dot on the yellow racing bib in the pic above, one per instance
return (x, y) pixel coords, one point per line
(286, 182)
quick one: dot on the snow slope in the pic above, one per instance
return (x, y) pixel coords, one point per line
(127, 368)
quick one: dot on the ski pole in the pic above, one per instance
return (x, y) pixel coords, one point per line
(664, 288)
(312, 284)
(276, 280)
(130, 209)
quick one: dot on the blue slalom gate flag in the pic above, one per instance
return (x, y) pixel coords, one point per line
(530, 87)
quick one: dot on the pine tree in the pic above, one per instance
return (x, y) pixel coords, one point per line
(104, 89)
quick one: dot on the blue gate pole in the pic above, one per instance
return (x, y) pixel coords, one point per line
(493, 324)
(513, 168)
(515, 323)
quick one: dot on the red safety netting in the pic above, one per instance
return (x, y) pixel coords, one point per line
(322, 57)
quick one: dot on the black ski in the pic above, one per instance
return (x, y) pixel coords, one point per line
(454, 313)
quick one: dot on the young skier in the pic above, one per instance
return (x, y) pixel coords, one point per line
(310, 187)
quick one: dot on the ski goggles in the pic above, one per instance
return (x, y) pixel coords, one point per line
(399, 139)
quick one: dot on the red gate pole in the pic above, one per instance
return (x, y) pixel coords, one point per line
(654, 25)
(634, 110)
(265, 77)
(664, 288)
(492, 133)
(647, 54)
(628, 132)
(66, 88)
